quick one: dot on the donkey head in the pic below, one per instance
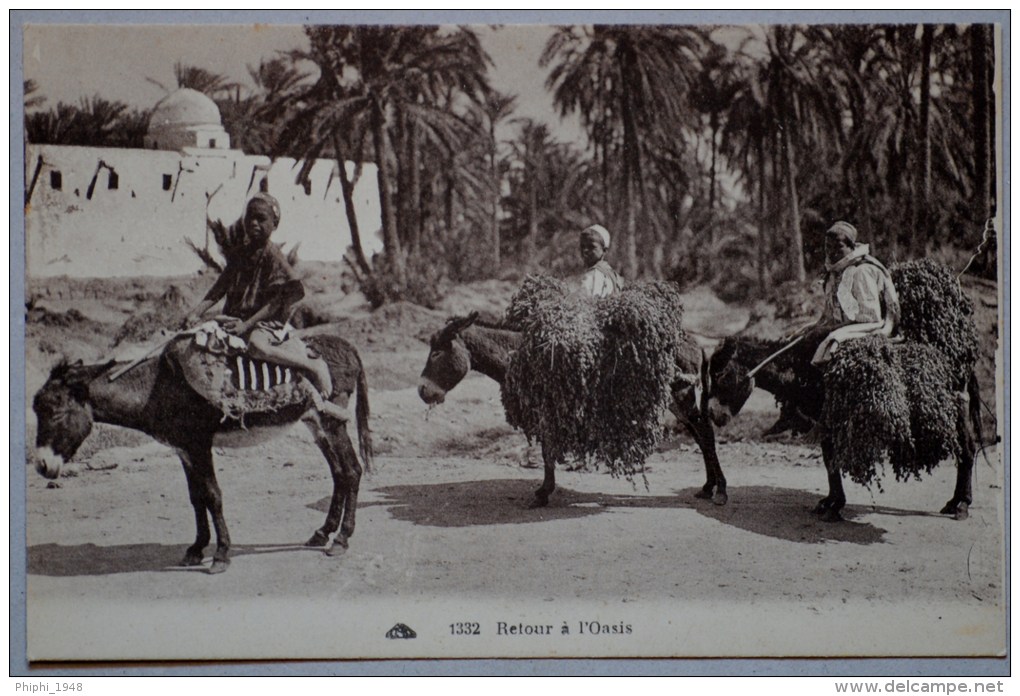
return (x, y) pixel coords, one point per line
(64, 416)
(449, 360)
(729, 384)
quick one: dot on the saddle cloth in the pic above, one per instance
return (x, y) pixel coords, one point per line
(214, 364)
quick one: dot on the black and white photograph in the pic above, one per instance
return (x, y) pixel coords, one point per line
(639, 336)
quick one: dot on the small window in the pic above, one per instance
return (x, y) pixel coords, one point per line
(168, 181)
(212, 142)
(113, 183)
(56, 180)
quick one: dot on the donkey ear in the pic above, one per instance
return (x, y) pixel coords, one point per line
(458, 324)
(79, 391)
(722, 356)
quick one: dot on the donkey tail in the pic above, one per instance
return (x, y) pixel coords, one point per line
(361, 414)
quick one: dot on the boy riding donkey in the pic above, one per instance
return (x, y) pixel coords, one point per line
(260, 289)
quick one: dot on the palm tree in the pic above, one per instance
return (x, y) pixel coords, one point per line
(201, 80)
(32, 100)
(497, 107)
(628, 78)
(369, 78)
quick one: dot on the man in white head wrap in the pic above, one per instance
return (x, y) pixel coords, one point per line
(599, 279)
(860, 299)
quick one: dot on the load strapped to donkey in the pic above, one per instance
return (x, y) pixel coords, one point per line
(217, 366)
(591, 378)
(905, 401)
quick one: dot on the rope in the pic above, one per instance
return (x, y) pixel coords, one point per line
(775, 355)
(987, 235)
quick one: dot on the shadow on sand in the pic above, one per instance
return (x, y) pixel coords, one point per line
(56, 560)
(781, 513)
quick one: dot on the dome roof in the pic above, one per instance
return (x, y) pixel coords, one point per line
(185, 107)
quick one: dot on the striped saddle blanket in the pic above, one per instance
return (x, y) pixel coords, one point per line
(235, 383)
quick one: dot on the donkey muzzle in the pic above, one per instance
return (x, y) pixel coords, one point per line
(48, 463)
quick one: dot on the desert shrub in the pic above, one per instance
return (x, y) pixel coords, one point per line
(591, 377)
(888, 402)
(424, 282)
(165, 312)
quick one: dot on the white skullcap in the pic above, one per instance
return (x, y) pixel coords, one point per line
(598, 231)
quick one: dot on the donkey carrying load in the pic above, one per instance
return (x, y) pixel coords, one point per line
(557, 403)
(155, 398)
(906, 402)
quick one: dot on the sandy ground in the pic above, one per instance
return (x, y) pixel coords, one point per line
(443, 519)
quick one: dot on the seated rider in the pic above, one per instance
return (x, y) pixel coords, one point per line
(260, 289)
(599, 279)
(860, 299)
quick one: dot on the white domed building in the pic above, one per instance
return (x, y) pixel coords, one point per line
(100, 212)
(186, 118)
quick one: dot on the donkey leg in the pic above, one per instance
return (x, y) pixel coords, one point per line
(350, 479)
(322, 534)
(959, 505)
(703, 433)
(209, 490)
(193, 556)
(831, 505)
(548, 482)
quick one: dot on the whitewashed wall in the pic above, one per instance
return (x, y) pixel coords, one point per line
(139, 228)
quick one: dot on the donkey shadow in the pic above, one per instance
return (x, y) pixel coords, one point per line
(780, 513)
(57, 560)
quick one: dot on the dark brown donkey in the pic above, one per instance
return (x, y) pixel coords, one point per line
(154, 399)
(466, 344)
(798, 385)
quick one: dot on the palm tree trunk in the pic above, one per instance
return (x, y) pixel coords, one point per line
(448, 194)
(531, 241)
(763, 254)
(401, 144)
(413, 194)
(391, 242)
(494, 241)
(631, 167)
(982, 133)
(347, 187)
(922, 231)
(790, 170)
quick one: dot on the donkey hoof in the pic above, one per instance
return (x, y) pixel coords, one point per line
(339, 547)
(962, 512)
(720, 498)
(540, 501)
(192, 558)
(704, 494)
(822, 507)
(218, 566)
(831, 515)
(319, 539)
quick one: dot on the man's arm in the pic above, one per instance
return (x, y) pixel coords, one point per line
(215, 294)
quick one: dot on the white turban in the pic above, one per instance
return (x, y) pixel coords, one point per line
(599, 232)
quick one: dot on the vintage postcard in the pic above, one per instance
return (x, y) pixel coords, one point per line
(477, 340)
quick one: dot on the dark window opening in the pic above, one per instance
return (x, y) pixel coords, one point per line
(168, 181)
(212, 142)
(113, 182)
(56, 180)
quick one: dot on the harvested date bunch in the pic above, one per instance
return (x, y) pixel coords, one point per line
(591, 378)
